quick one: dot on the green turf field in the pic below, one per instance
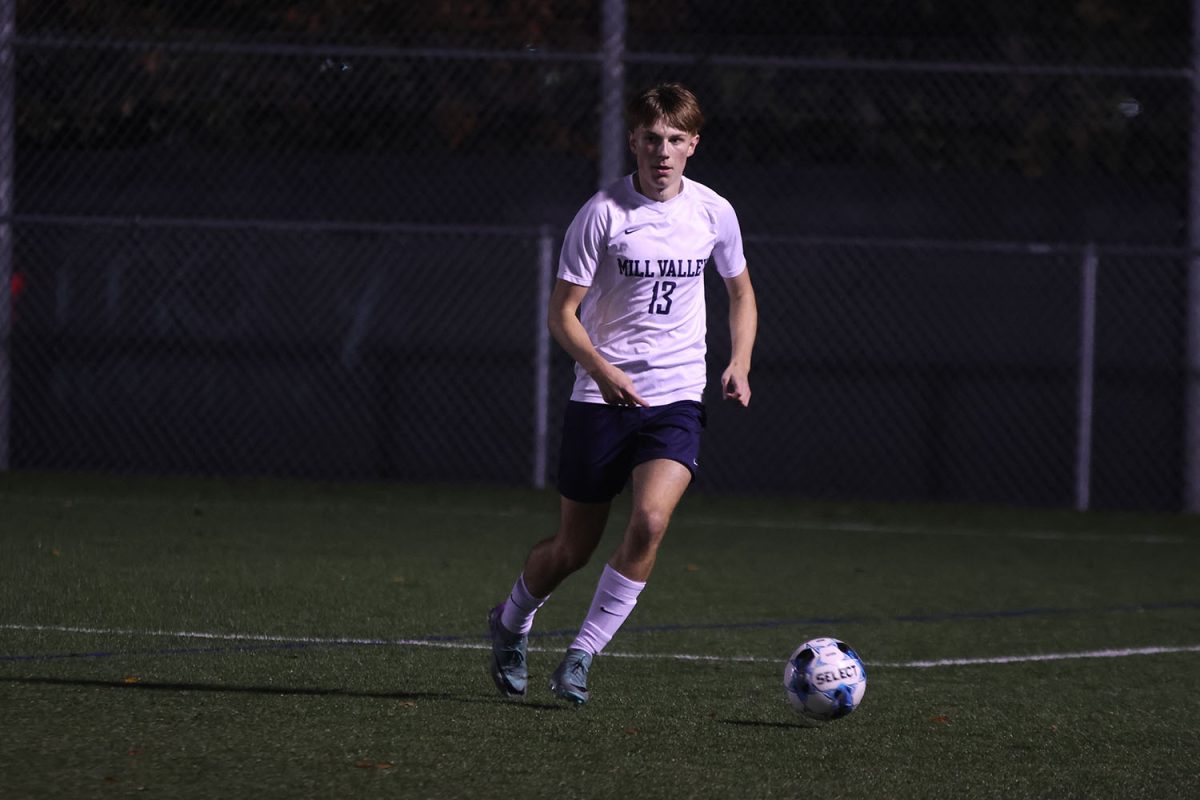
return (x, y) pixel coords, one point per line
(253, 639)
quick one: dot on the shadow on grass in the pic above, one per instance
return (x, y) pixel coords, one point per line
(309, 691)
(183, 686)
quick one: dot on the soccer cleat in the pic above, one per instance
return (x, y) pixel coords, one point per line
(569, 681)
(508, 669)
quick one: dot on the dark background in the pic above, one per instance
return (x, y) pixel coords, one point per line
(303, 238)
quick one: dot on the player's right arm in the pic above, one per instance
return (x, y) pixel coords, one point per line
(615, 386)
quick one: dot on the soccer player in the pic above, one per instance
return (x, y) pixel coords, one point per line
(632, 266)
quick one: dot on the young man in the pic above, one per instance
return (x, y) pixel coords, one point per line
(632, 265)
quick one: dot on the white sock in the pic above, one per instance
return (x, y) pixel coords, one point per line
(519, 608)
(612, 604)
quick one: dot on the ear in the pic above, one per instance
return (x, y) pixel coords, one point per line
(692, 146)
(633, 142)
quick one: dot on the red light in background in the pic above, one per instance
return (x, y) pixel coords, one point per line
(17, 285)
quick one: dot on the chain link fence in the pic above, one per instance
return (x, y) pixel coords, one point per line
(312, 238)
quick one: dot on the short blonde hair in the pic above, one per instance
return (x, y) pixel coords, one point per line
(672, 102)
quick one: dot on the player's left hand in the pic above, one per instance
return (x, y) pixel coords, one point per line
(735, 386)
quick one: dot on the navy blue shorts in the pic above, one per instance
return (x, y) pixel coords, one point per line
(601, 444)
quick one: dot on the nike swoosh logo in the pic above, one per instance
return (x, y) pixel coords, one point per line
(634, 228)
(606, 611)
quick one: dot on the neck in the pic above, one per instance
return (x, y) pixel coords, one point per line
(666, 194)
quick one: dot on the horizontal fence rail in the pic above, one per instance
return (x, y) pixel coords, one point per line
(276, 245)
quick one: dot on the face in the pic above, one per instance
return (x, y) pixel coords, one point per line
(662, 153)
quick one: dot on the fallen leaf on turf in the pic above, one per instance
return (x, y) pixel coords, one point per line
(56, 552)
(632, 731)
(384, 765)
(692, 567)
(135, 751)
(129, 680)
(364, 763)
(110, 778)
(407, 704)
(940, 719)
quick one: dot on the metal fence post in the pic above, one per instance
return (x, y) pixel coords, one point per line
(8, 58)
(541, 359)
(194, 202)
(1191, 374)
(1087, 365)
(612, 91)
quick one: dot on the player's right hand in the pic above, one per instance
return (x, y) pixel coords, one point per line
(617, 388)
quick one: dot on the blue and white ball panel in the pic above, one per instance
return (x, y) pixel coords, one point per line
(825, 679)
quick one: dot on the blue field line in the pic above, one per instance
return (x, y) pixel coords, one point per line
(715, 626)
(945, 616)
(1045, 612)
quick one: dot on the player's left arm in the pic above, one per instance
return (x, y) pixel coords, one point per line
(743, 328)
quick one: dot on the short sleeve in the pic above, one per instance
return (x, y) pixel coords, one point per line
(728, 251)
(583, 245)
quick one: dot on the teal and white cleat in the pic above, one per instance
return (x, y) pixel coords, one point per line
(569, 681)
(508, 669)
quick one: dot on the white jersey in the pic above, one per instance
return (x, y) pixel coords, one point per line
(644, 262)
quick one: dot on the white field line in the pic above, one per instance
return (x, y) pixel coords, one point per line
(464, 645)
(1126, 652)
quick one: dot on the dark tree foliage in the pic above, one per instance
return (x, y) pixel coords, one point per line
(1147, 31)
(994, 98)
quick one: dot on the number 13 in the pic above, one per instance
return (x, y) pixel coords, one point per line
(660, 303)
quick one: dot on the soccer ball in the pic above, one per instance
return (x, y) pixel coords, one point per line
(824, 679)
